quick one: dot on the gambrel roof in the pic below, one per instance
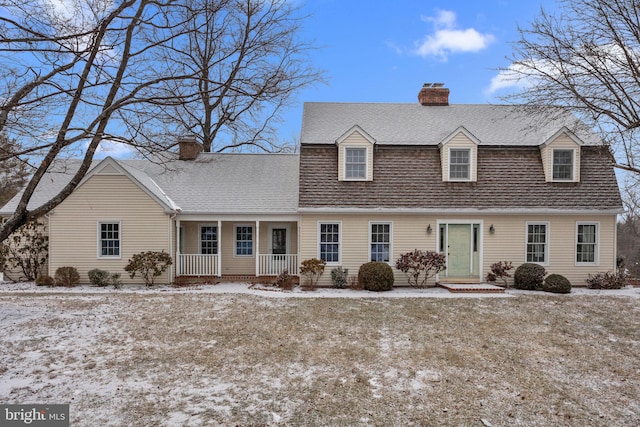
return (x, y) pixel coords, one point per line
(415, 124)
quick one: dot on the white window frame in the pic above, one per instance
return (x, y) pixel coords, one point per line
(469, 165)
(573, 165)
(596, 249)
(99, 239)
(390, 243)
(547, 244)
(235, 240)
(366, 165)
(339, 243)
(200, 238)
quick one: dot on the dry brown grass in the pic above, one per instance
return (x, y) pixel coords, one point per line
(187, 359)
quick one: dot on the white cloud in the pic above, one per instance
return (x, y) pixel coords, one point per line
(448, 38)
(507, 79)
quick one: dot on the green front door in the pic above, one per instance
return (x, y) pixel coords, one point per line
(459, 250)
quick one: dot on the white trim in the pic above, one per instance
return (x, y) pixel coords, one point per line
(547, 250)
(462, 130)
(99, 238)
(471, 162)
(567, 132)
(239, 217)
(355, 128)
(253, 240)
(390, 224)
(319, 223)
(596, 250)
(573, 164)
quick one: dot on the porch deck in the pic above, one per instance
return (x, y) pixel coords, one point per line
(197, 265)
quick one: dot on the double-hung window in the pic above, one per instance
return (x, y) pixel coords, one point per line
(109, 239)
(538, 242)
(244, 240)
(460, 164)
(586, 243)
(380, 247)
(562, 165)
(209, 240)
(329, 242)
(355, 163)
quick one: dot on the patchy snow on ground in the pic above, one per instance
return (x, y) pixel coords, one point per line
(299, 292)
(232, 354)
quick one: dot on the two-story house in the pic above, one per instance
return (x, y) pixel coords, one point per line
(479, 183)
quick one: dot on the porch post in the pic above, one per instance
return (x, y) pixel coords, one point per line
(219, 248)
(178, 272)
(257, 248)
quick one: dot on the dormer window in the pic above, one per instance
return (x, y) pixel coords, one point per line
(563, 165)
(355, 165)
(459, 164)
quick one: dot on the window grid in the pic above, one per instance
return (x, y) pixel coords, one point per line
(459, 164)
(330, 242)
(563, 164)
(209, 240)
(537, 243)
(586, 246)
(355, 163)
(109, 239)
(244, 240)
(380, 242)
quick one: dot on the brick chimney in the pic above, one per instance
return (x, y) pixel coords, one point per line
(188, 148)
(433, 94)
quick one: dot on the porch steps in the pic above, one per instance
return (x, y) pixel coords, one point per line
(471, 287)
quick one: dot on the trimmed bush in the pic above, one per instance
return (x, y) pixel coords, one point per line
(556, 283)
(148, 265)
(312, 269)
(339, 277)
(607, 280)
(500, 270)
(44, 280)
(99, 277)
(376, 276)
(529, 276)
(419, 266)
(67, 276)
(285, 281)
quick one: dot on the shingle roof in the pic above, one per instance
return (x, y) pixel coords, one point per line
(414, 124)
(410, 177)
(211, 184)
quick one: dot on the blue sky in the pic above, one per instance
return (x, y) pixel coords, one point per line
(382, 51)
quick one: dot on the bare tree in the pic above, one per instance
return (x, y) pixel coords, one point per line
(245, 60)
(13, 171)
(586, 58)
(81, 73)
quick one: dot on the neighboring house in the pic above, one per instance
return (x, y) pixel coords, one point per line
(479, 183)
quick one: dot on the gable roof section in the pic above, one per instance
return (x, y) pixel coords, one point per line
(142, 180)
(463, 131)
(414, 124)
(355, 128)
(564, 130)
(211, 184)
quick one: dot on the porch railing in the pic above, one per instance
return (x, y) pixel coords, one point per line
(272, 265)
(197, 265)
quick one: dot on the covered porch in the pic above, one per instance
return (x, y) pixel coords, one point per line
(218, 247)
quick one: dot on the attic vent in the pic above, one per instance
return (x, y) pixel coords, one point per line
(433, 94)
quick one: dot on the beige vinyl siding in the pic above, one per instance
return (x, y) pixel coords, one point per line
(144, 226)
(460, 140)
(507, 243)
(355, 140)
(561, 142)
